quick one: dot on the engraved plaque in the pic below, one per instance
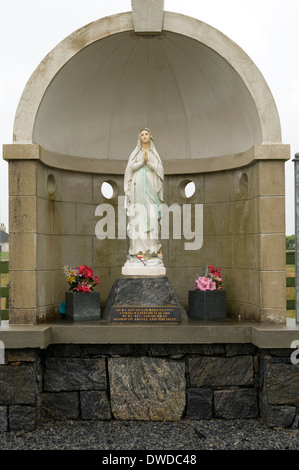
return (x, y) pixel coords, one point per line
(158, 314)
(144, 300)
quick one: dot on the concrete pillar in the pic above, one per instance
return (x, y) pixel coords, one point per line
(147, 15)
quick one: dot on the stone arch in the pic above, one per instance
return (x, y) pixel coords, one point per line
(221, 106)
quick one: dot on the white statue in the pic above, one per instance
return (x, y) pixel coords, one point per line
(143, 185)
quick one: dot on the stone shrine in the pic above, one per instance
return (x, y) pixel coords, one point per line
(216, 125)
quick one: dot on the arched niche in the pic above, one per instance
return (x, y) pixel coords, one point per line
(198, 91)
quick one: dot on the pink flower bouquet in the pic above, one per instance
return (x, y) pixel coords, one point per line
(81, 279)
(210, 280)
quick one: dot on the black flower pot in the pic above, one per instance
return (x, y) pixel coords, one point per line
(81, 306)
(207, 305)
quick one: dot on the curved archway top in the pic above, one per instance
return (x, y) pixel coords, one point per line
(268, 119)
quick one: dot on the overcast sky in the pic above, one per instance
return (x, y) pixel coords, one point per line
(267, 30)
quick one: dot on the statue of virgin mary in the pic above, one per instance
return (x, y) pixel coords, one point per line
(143, 186)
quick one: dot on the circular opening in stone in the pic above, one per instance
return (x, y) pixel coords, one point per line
(109, 189)
(187, 188)
(190, 189)
(51, 184)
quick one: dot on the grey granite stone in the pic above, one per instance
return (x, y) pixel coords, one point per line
(142, 293)
(199, 403)
(236, 404)
(18, 384)
(62, 405)
(276, 416)
(282, 383)
(207, 305)
(221, 371)
(81, 306)
(95, 405)
(3, 418)
(22, 418)
(185, 349)
(74, 374)
(147, 388)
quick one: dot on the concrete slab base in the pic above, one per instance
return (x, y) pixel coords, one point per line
(263, 335)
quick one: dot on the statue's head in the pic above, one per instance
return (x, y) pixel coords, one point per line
(145, 136)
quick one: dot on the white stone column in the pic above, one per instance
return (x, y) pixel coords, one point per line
(147, 15)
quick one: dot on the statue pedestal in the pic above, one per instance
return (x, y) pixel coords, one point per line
(144, 267)
(143, 271)
(143, 299)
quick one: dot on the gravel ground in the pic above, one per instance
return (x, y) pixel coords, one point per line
(139, 435)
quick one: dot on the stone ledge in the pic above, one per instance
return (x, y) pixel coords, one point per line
(191, 332)
(274, 151)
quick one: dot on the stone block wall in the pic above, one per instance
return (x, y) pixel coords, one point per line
(148, 382)
(53, 221)
(52, 225)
